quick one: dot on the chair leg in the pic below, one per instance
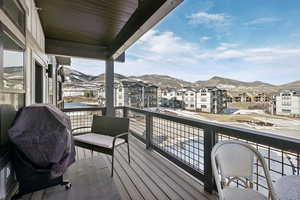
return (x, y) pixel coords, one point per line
(112, 162)
(128, 152)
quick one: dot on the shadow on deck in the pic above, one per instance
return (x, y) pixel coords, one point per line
(149, 176)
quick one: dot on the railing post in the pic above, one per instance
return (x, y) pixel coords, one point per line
(210, 140)
(125, 112)
(103, 110)
(149, 130)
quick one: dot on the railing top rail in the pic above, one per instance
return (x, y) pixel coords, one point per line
(87, 109)
(83, 109)
(269, 139)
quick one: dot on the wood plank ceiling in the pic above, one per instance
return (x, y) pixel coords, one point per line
(94, 22)
(95, 28)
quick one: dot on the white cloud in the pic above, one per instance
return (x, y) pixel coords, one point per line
(88, 66)
(262, 20)
(166, 46)
(213, 20)
(203, 18)
(271, 55)
(224, 45)
(166, 53)
(230, 54)
(205, 38)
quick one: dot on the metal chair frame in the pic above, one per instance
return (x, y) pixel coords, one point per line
(103, 125)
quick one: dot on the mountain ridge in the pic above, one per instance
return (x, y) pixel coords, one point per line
(165, 81)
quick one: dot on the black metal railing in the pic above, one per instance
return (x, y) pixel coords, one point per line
(188, 142)
(82, 117)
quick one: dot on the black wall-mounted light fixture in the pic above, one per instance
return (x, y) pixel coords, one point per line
(50, 70)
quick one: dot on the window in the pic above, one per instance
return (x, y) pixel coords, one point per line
(286, 110)
(15, 12)
(59, 91)
(192, 105)
(12, 94)
(13, 63)
(50, 85)
(203, 99)
(203, 106)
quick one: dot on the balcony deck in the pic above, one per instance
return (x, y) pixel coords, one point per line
(149, 176)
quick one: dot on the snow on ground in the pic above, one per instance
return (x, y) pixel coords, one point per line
(186, 113)
(248, 112)
(282, 126)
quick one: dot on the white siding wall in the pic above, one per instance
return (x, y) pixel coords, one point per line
(204, 103)
(190, 100)
(35, 52)
(287, 107)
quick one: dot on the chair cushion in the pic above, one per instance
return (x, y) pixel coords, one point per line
(242, 194)
(98, 140)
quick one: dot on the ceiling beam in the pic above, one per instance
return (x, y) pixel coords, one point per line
(148, 14)
(75, 49)
(63, 60)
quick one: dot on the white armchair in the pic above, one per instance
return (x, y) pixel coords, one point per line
(234, 160)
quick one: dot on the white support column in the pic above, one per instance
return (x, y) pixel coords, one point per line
(109, 87)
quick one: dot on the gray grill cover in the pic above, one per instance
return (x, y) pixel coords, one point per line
(43, 133)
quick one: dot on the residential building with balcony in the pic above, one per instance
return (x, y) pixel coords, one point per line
(211, 100)
(190, 99)
(168, 93)
(288, 103)
(134, 93)
(172, 97)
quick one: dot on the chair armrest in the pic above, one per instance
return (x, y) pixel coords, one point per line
(118, 136)
(75, 129)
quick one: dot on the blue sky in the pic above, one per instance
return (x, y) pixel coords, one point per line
(244, 40)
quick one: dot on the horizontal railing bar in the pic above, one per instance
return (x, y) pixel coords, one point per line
(83, 109)
(183, 120)
(88, 109)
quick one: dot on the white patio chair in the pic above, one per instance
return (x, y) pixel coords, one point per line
(232, 161)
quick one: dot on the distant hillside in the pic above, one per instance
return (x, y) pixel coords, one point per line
(73, 76)
(292, 85)
(101, 77)
(230, 83)
(162, 81)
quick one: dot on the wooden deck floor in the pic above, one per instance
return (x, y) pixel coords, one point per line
(149, 176)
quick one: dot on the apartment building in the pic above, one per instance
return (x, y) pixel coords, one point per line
(211, 100)
(288, 103)
(132, 93)
(208, 99)
(190, 99)
(172, 97)
(168, 93)
(248, 97)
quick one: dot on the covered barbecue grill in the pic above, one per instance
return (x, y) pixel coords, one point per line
(43, 147)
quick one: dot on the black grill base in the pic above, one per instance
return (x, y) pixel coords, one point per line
(31, 178)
